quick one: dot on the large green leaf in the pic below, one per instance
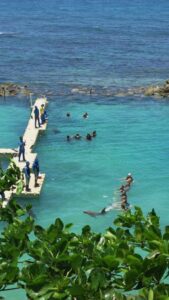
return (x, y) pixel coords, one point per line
(155, 267)
(97, 279)
(135, 261)
(77, 291)
(59, 225)
(151, 294)
(86, 230)
(131, 278)
(40, 232)
(111, 262)
(19, 187)
(76, 261)
(34, 276)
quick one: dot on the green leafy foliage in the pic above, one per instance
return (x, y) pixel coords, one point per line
(10, 177)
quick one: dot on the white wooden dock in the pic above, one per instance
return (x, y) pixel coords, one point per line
(30, 137)
(8, 152)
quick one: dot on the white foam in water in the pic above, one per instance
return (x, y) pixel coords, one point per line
(8, 34)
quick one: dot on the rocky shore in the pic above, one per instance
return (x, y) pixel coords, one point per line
(13, 89)
(159, 91)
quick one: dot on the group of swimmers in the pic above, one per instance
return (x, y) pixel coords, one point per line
(123, 192)
(85, 115)
(77, 136)
(123, 197)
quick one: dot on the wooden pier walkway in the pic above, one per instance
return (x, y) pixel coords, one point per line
(8, 152)
(30, 136)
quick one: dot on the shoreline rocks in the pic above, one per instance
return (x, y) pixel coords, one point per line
(159, 91)
(13, 89)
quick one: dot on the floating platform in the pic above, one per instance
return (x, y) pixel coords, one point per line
(30, 137)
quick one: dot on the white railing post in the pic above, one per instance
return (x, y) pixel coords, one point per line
(30, 97)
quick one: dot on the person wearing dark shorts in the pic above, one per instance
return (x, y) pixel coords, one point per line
(21, 149)
(36, 114)
(35, 169)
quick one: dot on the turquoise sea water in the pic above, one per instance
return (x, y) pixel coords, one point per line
(56, 46)
(132, 136)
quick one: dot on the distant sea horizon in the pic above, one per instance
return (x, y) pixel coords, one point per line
(56, 45)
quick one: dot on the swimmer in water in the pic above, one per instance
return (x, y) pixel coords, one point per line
(85, 115)
(122, 188)
(88, 137)
(124, 204)
(77, 136)
(129, 178)
(68, 138)
(123, 197)
(93, 134)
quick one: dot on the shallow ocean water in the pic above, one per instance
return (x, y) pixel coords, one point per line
(56, 46)
(132, 136)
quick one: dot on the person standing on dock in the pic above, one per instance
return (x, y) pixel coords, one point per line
(35, 169)
(21, 149)
(42, 110)
(36, 113)
(27, 173)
